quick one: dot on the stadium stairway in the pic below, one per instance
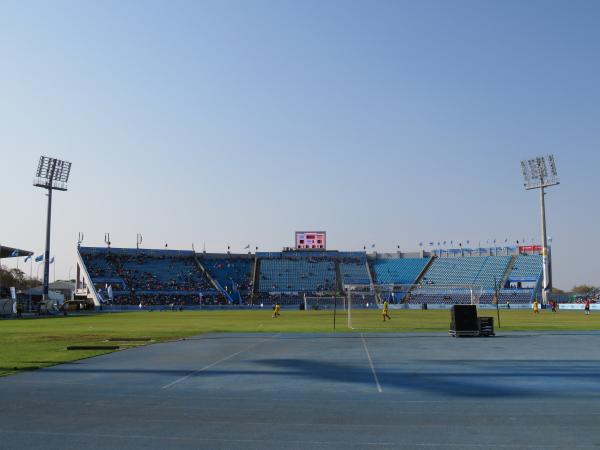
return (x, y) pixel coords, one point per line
(424, 271)
(214, 282)
(255, 279)
(408, 295)
(509, 269)
(371, 278)
(339, 284)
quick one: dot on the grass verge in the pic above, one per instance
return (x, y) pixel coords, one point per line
(32, 344)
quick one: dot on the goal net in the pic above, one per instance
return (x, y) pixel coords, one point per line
(313, 302)
(364, 302)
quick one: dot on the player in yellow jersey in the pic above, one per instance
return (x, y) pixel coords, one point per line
(276, 310)
(536, 307)
(384, 312)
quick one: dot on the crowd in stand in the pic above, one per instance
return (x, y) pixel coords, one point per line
(149, 300)
(318, 282)
(99, 266)
(169, 274)
(282, 299)
(159, 276)
(165, 278)
(236, 270)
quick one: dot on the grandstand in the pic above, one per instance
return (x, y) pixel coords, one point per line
(484, 271)
(526, 268)
(163, 277)
(398, 270)
(155, 277)
(297, 273)
(355, 270)
(230, 273)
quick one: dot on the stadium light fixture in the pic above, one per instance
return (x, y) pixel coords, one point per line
(53, 175)
(540, 173)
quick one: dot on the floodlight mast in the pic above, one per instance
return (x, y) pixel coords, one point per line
(52, 174)
(537, 176)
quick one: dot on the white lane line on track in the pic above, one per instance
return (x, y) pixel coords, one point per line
(371, 363)
(233, 355)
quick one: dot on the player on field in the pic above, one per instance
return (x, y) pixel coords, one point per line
(384, 312)
(587, 306)
(536, 306)
(276, 310)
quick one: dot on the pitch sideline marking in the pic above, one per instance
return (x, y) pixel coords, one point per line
(371, 363)
(233, 355)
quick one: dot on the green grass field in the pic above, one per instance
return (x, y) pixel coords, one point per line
(33, 343)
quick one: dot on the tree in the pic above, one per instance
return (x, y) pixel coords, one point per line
(16, 278)
(583, 289)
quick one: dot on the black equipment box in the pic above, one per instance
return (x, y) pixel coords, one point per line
(486, 326)
(464, 321)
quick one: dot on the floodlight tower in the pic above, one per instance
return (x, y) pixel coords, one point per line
(52, 174)
(540, 173)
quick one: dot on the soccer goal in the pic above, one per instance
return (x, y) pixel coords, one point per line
(315, 302)
(364, 302)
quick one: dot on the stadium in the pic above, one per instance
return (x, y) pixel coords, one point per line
(160, 277)
(183, 349)
(359, 176)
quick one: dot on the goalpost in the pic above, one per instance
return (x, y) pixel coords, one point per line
(363, 301)
(316, 302)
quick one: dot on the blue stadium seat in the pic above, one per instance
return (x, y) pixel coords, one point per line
(398, 270)
(156, 276)
(476, 270)
(232, 273)
(354, 271)
(527, 266)
(297, 275)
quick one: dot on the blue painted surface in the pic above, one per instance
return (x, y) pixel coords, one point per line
(267, 391)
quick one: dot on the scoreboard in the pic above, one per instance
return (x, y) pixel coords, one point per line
(311, 240)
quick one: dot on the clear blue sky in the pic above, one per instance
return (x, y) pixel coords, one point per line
(239, 122)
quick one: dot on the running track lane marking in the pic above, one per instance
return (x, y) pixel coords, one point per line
(371, 363)
(233, 355)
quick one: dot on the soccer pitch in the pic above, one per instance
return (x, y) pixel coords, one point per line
(34, 343)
